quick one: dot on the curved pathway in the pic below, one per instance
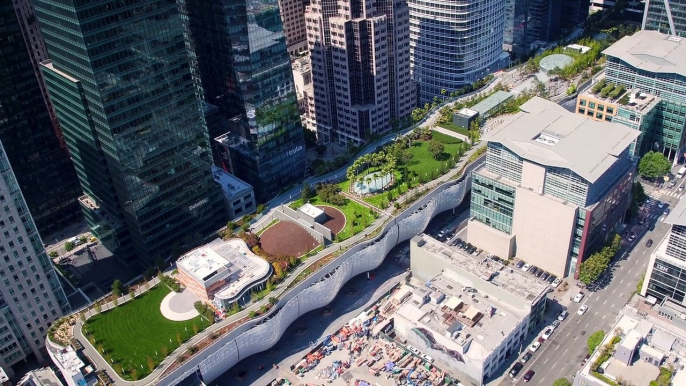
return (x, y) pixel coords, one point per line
(282, 288)
(179, 306)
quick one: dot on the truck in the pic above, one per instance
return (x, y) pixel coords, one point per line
(681, 172)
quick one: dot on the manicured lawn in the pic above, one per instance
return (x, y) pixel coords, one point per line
(357, 216)
(134, 331)
(423, 162)
(457, 129)
(444, 138)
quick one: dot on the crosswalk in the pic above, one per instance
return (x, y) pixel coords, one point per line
(658, 194)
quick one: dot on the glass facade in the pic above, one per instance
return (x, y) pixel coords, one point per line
(492, 203)
(667, 280)
(657, 17)
(453, 43)
(503, 162)
(44, 171)
(663, 126)
(121, 86)
(240, 63)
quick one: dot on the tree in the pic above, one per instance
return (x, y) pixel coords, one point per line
(165, 351)
(306, 193)
(595, 340)
(98, 307)
(178, 338)
(436, 148)
(562, 382)
(117, 288)
(260, 208)
(151, 364)
(654, 165)
(69, 246)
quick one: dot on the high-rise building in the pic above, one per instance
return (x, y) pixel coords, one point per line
(360, 67)
(31, 296)
(453, 44)
(666, 275)
(515, 29)
(240, 63)
(293, 18)
(666, 16)
(554, 187)
(651, 65)
(120, 82)
(544, 20)
(44, 171)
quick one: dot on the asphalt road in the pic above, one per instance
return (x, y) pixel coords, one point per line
(561, 355)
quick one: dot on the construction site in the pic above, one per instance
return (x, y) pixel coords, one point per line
(363, 353)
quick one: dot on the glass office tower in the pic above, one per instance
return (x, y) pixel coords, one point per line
(241, 65)
(666, 16)
(120, 82)
(44, 171)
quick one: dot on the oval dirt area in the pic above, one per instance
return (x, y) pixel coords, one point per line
(335, 219)
(285, 238)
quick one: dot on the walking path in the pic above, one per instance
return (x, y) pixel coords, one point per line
(179, 306)
(282, 287)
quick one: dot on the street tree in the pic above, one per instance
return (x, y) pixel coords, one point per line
(117, 288)
(654, 165)
(594, 340)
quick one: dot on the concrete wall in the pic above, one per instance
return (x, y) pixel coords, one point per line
(320, 288)
(492, 240)
(281, 215)
(543, 227)
(307, 221)
(533, 176)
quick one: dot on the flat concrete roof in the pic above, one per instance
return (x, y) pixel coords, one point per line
(311, 210)
(41, 377)
(514, 281)
(678, 214)
(220, 260)
(651, 51)
(230, 184)
(545, 133)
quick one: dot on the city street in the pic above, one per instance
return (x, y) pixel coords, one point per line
(561, 355)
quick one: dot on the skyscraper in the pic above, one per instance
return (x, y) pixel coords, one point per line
(360, 67)
(293, 18)
(666, 16)
(120, 82)
(454, 43)
(241, 65)
(44, 171)
(31, 296)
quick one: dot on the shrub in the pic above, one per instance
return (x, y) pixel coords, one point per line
(595, 340)
(331, 194)
(68, 246)
(53, 254)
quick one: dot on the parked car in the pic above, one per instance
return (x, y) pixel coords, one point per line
(578, 297)
(660, 204)
(528, 375)
(526, 267)
(519, 264)
(535, 346)
(555, 323)
(413, 349)
(539, 273)
(533, 270)
(556, 282)
(545, 276)
(681, 187)
(632, 236)
(548, 331)
(563, 315)
(551, 279)
(582, 310)
(428, 358)
(649, 243)
(666, 211)
(516, 369)
(526, 357)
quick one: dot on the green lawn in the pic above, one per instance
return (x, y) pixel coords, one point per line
(357, 216)
(423, 162)
(134, 331)
(455, 128)
(444, 138)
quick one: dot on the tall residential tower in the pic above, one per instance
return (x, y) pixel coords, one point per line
(454, 43)
(360, 67)
(31, 296)
(44, 171)
(120, 82)
(241, 66)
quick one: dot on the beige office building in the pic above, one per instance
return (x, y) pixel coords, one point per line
(293, 19)
(553, 188)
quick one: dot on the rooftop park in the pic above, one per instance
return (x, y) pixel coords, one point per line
(380, 178)
(135, 337)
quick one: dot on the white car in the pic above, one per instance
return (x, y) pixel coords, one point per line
(526, 267)
(428, 358)
(661, 205)
(562, 316)
(582, 310)
(548, 331)
(414, 350)
(535, 346)
(578, 297)
(556, 283)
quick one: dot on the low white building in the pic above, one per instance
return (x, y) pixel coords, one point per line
(223, 272)
(39, 377)
(239, 195)
(316, 214)
(73, 370)
(469, 314)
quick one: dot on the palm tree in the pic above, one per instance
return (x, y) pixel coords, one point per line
(368, 180)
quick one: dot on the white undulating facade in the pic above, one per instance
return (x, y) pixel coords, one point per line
(454, 43)
(32, 297)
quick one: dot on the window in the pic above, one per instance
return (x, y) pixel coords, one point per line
(601, 108)
(610, 110)
(591, 105)
(582, 110)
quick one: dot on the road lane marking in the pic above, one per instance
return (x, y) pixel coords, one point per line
(565, 351)
(613, 291)
(621, 281)
(612, 306)
(575, 338)
(637, 273)
(546, 360)
(605, 302)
